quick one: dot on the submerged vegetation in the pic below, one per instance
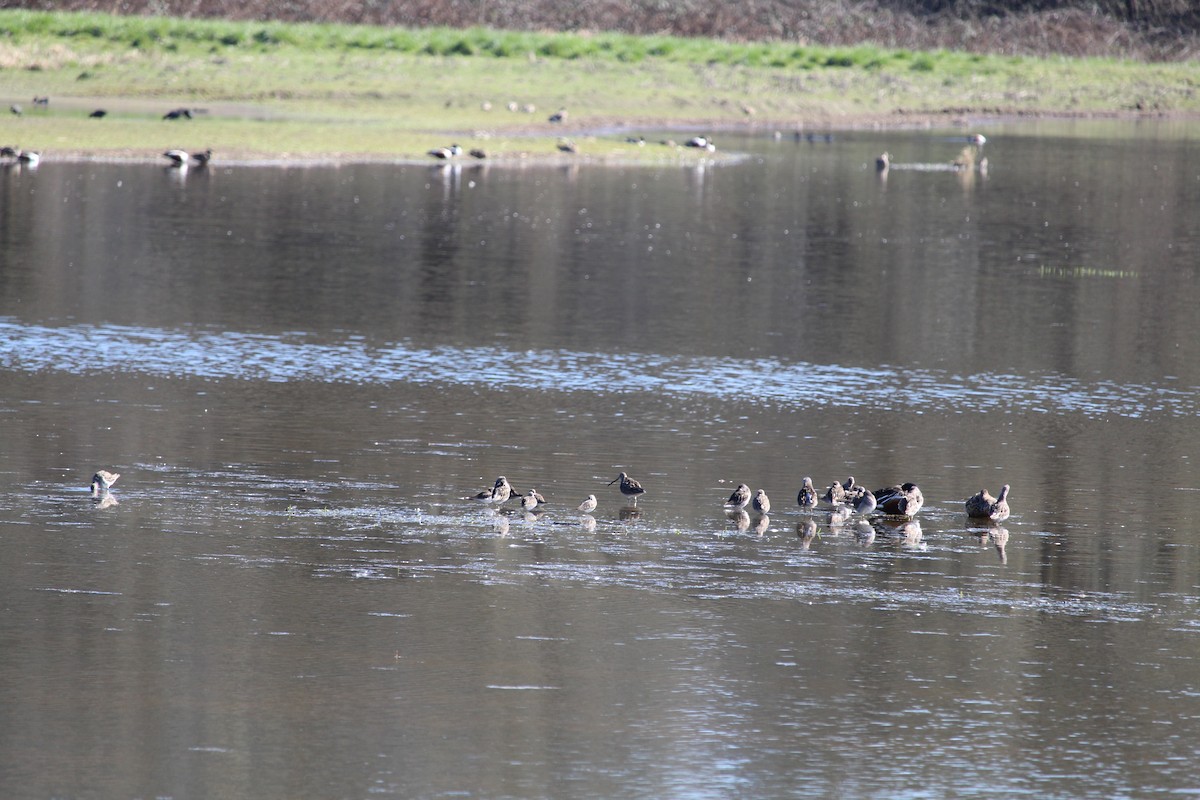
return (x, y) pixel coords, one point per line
(281, 89)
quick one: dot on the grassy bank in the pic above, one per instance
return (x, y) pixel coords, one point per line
(370, 92)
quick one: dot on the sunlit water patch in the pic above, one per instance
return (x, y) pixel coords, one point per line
(230, 355)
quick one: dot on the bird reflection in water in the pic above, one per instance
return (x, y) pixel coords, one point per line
(806, 531)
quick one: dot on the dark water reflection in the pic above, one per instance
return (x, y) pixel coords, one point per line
(301, 372)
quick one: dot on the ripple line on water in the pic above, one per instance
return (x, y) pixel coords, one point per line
(85, 349)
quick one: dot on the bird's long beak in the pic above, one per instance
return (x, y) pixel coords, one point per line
(614, 480)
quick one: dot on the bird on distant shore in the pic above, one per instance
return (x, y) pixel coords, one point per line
(178, 158)
(202, 159)
(10, 151)
(762, 504)
(807, 497)
(99, 113)
(478, 152)
(883, 162)
(629, 487)
(178, 113)
(30, 158)
(102, 481)
(984, 506)
(740, 497)
(567, 146)
(559, 116)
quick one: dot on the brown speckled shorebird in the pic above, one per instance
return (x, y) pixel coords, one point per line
(807, 498)
(984, 506)
(740, 497)
(762, 503)
(629, 487)
(588, 505)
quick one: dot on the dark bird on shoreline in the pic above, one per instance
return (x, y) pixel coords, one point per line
(178, 113)
(99, 113)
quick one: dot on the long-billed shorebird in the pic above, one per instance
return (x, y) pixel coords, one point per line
(807, 498)
(588, 505)
(984, 506)
(740, 497)
(629, 487)
(102, 481)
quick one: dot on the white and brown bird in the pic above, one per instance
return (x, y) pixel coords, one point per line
(529, 501)
(762, 503)
(588, 505)
(102, 481)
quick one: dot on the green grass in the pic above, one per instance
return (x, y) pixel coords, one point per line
(373, 91)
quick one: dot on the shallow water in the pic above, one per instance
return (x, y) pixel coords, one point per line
(302, 372)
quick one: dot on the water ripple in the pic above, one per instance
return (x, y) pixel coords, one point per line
(84, 349)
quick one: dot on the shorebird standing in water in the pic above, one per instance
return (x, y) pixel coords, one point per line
(904, 500)
(530, 501)
(501, 491)
(807, 498)
(984, 506)
(102, 481)
(762, 504)
(629, 487)
(588, 505)
(740, 498)
(865, 503)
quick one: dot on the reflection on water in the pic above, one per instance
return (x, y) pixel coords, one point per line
(302, 373)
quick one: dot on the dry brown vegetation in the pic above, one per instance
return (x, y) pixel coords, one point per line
(1153, 30)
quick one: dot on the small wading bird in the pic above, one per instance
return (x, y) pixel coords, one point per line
(567, 146)
(740, 498)
(445, 153)
(588, 505)
(102, 481)
(865, 504)
(807, 498)
(178, 158)
(762, 504)
(559, 116)
(530, 501)
(984, 506)
(202, 159)
(29, 157)
(904, 500)
(629, 487)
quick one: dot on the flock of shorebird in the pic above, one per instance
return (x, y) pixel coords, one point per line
(13, 154)
(846, 498)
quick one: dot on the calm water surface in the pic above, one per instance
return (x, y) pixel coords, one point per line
(301, 373)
